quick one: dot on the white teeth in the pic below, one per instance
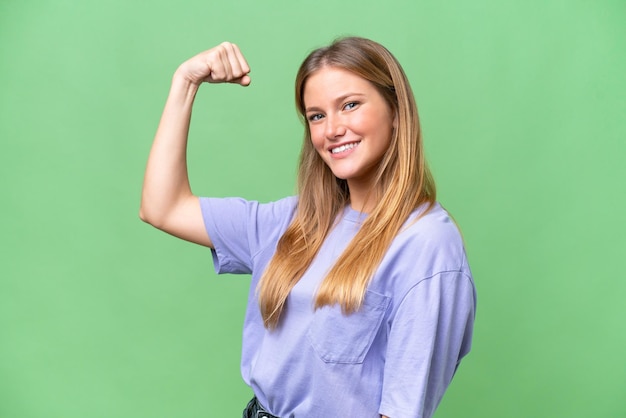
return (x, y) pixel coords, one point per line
(344, 148)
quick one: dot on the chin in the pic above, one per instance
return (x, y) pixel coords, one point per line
(342, 175)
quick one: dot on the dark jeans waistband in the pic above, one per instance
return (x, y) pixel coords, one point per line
(254, 409)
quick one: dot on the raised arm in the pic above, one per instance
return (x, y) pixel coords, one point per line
(167, 202)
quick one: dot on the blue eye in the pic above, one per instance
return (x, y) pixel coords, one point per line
(315, 117)
(350, 105)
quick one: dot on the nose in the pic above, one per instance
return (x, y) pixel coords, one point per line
(335, 128)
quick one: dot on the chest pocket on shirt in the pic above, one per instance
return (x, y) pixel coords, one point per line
(339, 338)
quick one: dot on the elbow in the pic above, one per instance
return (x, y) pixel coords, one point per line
(150, 220)
(147, 216)
(143, 216)
(148, 210)
(143, 211)
(152, 217)
(153, 210)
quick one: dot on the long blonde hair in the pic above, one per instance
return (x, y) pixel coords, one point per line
(403, 182)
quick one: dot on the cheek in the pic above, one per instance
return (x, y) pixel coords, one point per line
(366, 124)
(317, 137)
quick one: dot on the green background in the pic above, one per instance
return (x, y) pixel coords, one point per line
(523, 105)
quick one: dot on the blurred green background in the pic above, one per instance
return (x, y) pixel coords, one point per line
(523, 106)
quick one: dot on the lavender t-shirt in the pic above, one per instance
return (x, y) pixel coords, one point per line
(395, 356)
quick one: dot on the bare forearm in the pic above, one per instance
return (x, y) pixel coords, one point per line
(166, 199)
(166, 181)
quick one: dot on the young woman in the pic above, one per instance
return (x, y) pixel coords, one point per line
(362, 301)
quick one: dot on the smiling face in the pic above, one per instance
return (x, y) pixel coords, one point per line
(350, 123)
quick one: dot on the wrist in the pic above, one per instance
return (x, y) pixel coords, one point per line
(181, 80)
(182, 85)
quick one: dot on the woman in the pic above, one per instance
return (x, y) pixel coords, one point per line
(361, 302)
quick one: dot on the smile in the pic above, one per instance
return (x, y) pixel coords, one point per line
(344, 147)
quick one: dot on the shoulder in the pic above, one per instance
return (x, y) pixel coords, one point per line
(286, 205)
(429, 243)
(434, 225)
(234, 205)
(240, 228)
(430, 225)
(234, 215)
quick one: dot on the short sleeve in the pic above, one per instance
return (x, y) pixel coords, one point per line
(240, 229)
(429, 334)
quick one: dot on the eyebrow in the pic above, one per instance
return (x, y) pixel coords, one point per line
(336, 100)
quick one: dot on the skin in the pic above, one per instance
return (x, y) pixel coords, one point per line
(346, 113)
(167, 201)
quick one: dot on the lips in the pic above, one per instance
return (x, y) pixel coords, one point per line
(344, 147)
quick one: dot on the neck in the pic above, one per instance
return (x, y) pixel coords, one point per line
(363, 197)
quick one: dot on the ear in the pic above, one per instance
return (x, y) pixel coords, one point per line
(395, 120)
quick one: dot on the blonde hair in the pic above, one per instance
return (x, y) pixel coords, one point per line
(403, 182)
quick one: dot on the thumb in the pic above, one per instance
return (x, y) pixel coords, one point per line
(243, 81)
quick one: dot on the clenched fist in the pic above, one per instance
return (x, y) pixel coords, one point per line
(222, 64)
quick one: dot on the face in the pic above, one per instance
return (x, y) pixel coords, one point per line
(350, 123)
